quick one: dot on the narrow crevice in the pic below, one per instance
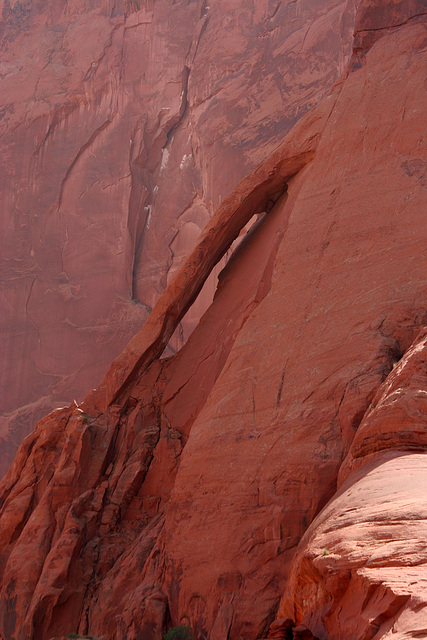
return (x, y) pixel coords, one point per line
(280, 389)
(139, 236)
(201, 33)
(360, 47)
(203, 8)
(137, 252)
(182, 110)
(392, 26)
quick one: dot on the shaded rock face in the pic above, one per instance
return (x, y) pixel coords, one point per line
(123, 126)
(192, 489)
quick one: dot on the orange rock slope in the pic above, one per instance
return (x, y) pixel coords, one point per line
(123, 125)
(268, 480)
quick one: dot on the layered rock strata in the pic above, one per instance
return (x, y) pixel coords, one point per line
(179, 491)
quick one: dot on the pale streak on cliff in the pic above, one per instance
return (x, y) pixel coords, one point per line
(256, 193)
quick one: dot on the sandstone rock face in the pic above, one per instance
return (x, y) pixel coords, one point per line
(361, 569)
(123, 126)
(180, 491)
(264, 453)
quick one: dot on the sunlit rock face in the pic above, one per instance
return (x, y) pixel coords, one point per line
(267, 480)
(361, 568)
(123, 126)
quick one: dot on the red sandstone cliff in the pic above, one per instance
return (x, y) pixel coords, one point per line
(122, 127)
(279, 456)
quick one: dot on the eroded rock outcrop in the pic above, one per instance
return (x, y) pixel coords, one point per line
(123, 126)
(361, 569)
(343, 305)
(180, 490)
(135, 444)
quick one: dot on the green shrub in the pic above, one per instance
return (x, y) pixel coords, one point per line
(179, 632)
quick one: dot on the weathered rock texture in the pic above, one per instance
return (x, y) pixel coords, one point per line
(123, 126)
(179, 491)
(361, 568)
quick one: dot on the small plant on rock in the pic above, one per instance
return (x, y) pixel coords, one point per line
(180, 632)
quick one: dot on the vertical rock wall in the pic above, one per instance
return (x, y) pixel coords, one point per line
(123, 126)
(180, 491)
